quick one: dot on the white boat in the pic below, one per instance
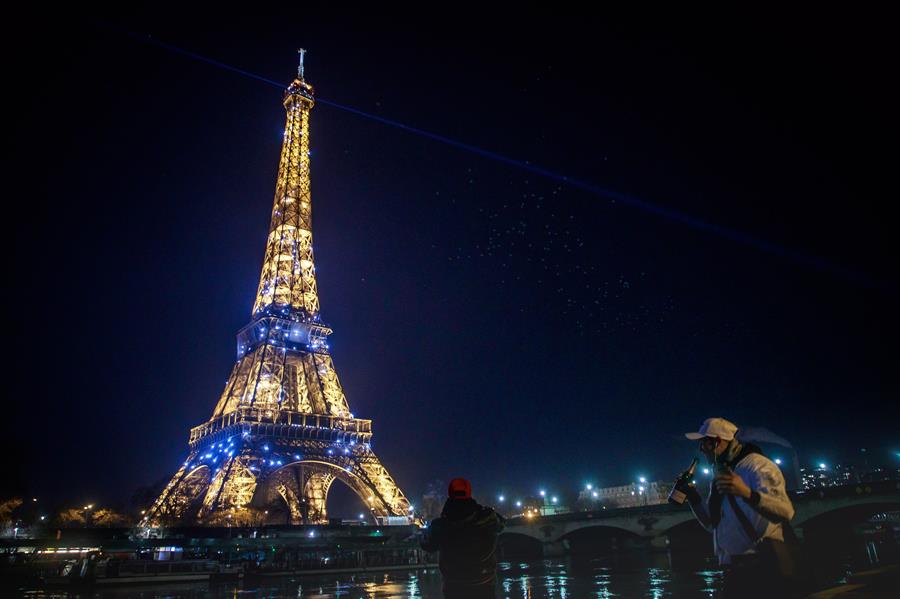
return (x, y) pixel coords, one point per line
(93, 569)
(112, 571)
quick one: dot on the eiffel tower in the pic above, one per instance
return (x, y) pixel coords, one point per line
(282, 431)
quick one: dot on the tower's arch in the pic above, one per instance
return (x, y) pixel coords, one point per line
(299, 490)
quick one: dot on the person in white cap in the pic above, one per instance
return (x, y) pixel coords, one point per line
(746, 511)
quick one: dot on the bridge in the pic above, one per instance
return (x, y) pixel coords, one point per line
(654, 524)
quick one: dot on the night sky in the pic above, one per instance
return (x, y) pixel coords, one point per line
(495, 323)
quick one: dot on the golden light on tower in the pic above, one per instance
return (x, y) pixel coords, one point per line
(281, 432)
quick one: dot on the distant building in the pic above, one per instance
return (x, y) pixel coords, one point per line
(550, 510)
(816, 478)
(536, 506)
(630, 495)
(820, 476)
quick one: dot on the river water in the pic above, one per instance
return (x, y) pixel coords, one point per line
(643, 576)
(626, 574)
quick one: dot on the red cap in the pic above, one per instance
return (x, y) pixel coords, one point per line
(459, 488)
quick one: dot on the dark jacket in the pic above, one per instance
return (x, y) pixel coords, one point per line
(465, 535)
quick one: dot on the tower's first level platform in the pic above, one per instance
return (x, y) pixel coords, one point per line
(283, 424)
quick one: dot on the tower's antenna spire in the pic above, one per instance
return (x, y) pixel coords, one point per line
(301, 52)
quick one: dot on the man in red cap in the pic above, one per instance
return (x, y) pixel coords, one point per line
(465, 535)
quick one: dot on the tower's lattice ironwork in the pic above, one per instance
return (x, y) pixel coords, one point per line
(282, 432)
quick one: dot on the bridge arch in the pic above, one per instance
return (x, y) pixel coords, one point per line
(689, 535)
(516, 545)
(598, 538)
(847, 514)
(864, 502)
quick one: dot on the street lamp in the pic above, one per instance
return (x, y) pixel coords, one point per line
(87, 516)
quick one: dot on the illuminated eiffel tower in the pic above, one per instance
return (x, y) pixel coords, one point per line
(282, 431)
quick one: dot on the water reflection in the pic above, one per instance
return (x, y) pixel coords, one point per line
(712, 580)
(603, 578)
(658, 580)
(599, 578)
(601, 583)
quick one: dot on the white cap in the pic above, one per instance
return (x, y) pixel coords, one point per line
(714, 427)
